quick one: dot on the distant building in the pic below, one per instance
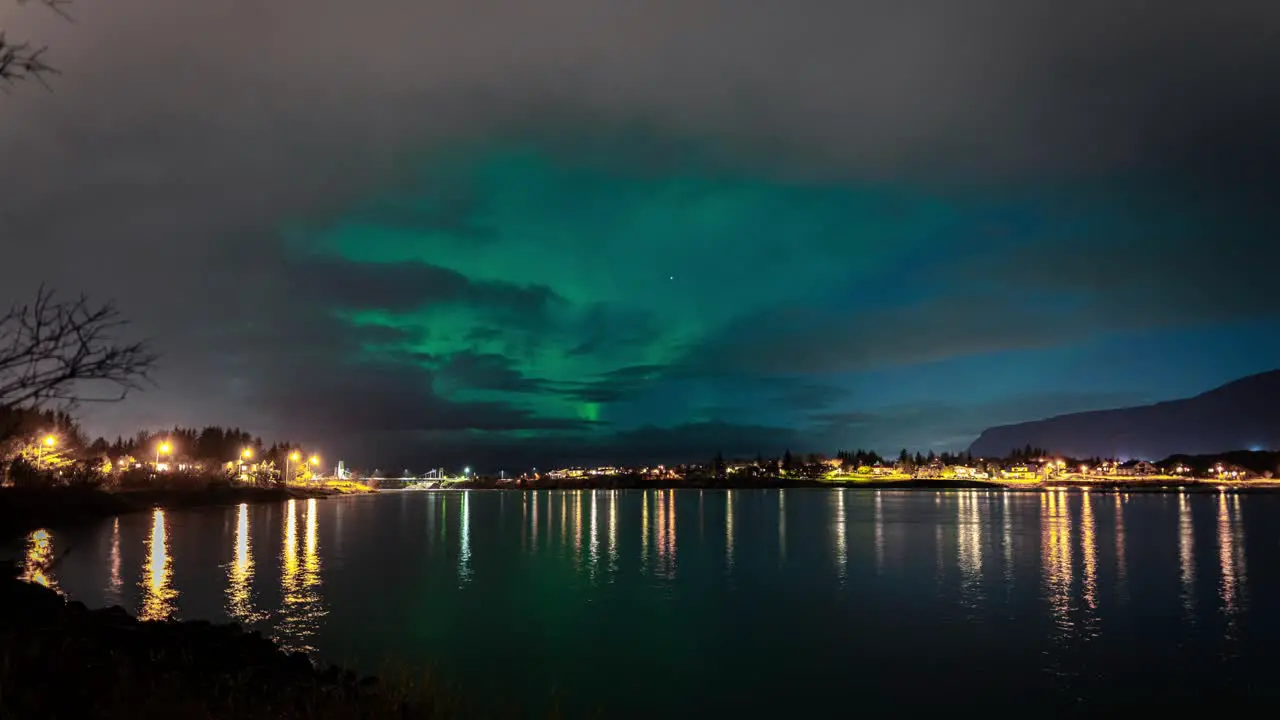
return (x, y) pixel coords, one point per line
(1137, 468)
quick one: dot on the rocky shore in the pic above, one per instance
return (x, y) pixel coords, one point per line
(62, 660)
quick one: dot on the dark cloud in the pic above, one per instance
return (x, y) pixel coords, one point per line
(486, 371)
(407, 286)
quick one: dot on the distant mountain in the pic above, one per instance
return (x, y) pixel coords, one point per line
(1240, 415)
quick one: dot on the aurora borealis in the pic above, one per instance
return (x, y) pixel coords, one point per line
(880, 225)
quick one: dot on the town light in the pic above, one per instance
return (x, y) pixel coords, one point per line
(49, 442)
(315, 460)
(164, 448)
(246, 453)
(295, 456)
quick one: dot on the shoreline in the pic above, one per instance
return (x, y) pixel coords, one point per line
(23, 510)
(905, 484)
(118, 664)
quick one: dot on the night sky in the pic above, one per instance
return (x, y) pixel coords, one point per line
(416, 232)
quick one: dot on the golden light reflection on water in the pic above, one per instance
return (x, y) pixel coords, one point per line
(1089, 549)
(1055, 547)
(157, 591)
(840, 531)
(660, 518)
(644, 528)
(969, 546)
(577, 526)
(593, 547)
(671, 530)
(1230, 555)
(240, 573)
(38, 562)
(1122, 572)
(301, 605)
(116, 582)
(1186, 553)
(879, 523)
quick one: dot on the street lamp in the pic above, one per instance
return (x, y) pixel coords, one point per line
(289, 459)
(164, 448)
(48, 442)
(245, 454)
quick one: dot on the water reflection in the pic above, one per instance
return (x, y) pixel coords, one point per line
(157, 591)
(1055, 546)
(1230, 556)
(1186, 553)
(613, 531)
(240, 573)
(839, 529)
(302, 607)
(1006, 544)
(879, 531)
(728, 529)
(660, 524)
(782, 526)
(644, 529)
(533, 528)
(1089, 548)
(116, 582)
(577, 526)
(969, 547)
(593, 546)
(37, 567)
(671, 531)
(464, 551)
(1122, 574)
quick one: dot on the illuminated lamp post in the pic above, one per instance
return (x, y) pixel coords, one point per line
(289, 459)
(164, 448)
(245, 454)
(48, 442)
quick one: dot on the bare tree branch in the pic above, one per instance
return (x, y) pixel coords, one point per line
(22, 60)
(61, 351)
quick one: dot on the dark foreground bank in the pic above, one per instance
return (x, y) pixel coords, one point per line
(61, 660)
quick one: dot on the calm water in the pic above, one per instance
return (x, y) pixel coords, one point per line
(689, 602)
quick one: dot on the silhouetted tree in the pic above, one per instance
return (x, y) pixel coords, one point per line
(57, 351)
(788, 463)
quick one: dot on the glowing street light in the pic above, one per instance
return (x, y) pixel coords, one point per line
(289, 459)
(48, 442)
(164, 448)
